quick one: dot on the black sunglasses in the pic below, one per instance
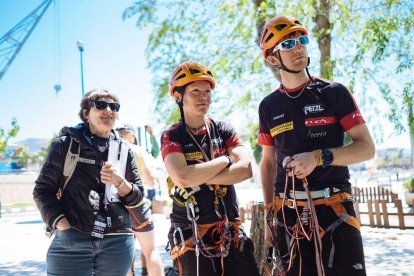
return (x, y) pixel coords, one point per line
(102, 105)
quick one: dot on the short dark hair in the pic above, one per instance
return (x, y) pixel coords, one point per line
(181, 89)
(91, 96)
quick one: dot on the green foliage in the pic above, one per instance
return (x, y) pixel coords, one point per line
(6, 135)
(25, 158)
(252, 137)
(409, 185)
(355, 40)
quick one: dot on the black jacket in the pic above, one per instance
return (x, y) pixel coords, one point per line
(83, 196)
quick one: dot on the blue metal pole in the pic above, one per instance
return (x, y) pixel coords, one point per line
(80, 47)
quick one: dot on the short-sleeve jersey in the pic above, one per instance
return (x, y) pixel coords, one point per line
(222, 136)
(316, 119)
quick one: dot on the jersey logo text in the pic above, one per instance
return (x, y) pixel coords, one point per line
(313, 108)
(281, 128)
(319, 121)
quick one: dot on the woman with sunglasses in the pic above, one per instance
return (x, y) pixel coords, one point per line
(204, 158)
(93, 234)
(302, 126)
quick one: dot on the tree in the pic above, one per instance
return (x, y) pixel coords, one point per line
(224, 35)
(6, 135)
(25, 158)
(389, 40)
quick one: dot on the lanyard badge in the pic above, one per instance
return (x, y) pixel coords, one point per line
(99, 226)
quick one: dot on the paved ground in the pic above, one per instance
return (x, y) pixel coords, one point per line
(23, 246)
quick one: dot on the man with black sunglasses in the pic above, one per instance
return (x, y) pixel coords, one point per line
(305, 178)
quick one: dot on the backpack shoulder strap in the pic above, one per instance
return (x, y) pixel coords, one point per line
(71, 160)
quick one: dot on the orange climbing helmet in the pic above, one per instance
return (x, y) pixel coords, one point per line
(190, 71)
(277, 28)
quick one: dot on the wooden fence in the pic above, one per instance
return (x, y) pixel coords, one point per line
(383, 208)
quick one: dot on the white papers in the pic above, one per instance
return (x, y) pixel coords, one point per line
(117, 157)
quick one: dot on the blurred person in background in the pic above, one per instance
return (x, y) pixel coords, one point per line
(140, 215)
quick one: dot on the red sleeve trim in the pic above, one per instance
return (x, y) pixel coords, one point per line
(233, 141)
(170, 147)
(265, 139)
(351, 120)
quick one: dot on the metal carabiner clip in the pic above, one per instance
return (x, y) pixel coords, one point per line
(189, 205)
(178, 229)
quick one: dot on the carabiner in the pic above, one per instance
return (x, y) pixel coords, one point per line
(178, 229)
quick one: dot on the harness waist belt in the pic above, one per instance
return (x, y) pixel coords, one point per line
(301, 195)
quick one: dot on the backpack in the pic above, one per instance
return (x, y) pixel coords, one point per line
(71, 160)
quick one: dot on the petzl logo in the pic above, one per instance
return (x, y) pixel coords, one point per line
(313, 108)
(319, 121)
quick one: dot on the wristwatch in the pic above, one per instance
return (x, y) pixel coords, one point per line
(327, 158)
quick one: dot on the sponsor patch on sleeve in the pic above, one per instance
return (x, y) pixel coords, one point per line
(194, 155)
(281, 128)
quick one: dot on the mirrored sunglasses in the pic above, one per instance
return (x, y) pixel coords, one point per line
(102, 105)
(289, 44)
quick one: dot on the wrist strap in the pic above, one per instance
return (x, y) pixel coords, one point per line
(120, 184)
(230, 161)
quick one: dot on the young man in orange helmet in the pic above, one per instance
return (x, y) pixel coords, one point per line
(204, 158)
(304, 170)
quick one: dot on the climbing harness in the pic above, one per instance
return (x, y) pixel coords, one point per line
(219, 232)
(307, 226)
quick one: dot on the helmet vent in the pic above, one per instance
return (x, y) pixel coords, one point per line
(194, 71)
(297, 22)
(269, 37)
(176, 73)
(208, 72)
(180, 77)
(280, 27)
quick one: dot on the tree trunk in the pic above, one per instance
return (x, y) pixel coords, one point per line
(322, 33)
(410, 103)
(257, 235)
(259, 26)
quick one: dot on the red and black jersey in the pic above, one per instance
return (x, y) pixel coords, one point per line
(223, 136)
(316, 119)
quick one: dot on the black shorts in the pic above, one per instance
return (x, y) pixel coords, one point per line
(348, 254)
(140, 217)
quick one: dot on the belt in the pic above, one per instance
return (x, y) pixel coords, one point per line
(302, 195)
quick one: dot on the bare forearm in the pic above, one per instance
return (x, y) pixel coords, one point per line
(268, 173)
(147, 177)
(234, 174)
(357, 151)
(194, 175)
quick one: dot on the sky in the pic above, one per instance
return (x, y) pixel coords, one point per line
(114, 58)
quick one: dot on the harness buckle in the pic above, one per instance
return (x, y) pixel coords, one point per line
(290, 203)
(326, 193)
